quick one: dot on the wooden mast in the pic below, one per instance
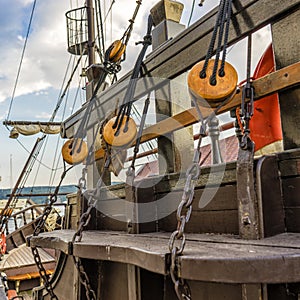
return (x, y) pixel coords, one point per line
(91, 32)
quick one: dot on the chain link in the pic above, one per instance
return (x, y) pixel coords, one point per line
(245, 115)
(183, 215)
(84, 221)
(184, 209)
(39, 228)
(43, 273)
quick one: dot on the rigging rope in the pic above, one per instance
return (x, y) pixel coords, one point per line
(125, 108)
(100, 31)
(223, 19)
(192, 11)
(112, 67)
(21, 61)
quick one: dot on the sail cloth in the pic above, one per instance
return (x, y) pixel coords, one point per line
(31, 129)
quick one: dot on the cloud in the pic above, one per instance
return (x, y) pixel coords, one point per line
(43, 116)
(46, 56)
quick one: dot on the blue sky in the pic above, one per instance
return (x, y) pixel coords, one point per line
(44, 68)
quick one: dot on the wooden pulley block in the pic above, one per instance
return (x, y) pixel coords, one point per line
(123, 138)
(117, 49)
(206, 93)
(74, 151)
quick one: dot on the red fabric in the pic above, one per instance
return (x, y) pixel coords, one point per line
(265, 124)
(11, 294)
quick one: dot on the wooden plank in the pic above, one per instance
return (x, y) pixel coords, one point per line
(291, 192)
(292, 219)
(263, 86)
(290, 167)
(272, 260)
(211, 291)
(221, 222)
(178, 55)
(286, 44)
(114, 281)
(186, 49)
(252, 292)
(268, 190)
(66, 280)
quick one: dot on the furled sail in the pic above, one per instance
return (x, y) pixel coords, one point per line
(30, 128)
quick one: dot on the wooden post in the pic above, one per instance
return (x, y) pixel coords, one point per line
(286, 42)
(173, 97)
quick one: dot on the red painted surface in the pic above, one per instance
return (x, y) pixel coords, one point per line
(265, 124)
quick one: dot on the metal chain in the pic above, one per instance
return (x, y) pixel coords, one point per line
(43, 273)
(183, 215)
(84, 221)
(247, 106)
(37, 231)
(184, 209)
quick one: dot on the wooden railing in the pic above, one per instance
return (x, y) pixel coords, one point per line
(27, 215)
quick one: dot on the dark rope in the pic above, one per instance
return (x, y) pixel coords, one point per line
(100, 30)
(221, 29)
(21, 60)
(229, 12)
(213, 78)
(126, 106)
(140, 132)
(212, 42)
(192, 11)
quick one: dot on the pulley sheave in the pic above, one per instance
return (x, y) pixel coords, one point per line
(212, 94)
(74, 151)
(122, 136)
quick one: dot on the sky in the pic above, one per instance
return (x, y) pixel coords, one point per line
(43, 70)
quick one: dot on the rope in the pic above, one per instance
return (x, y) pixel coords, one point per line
(229, 11)
(192, 11)
(221, 26)
(128, 31)
(21, 61)
(126, 106)
(100, 34)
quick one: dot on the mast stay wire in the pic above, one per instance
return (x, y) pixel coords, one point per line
(21, 60)
(100, 33)
(192, 12)
(41, 140)
(61, 97)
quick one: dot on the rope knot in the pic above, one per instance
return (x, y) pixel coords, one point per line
(147, 40)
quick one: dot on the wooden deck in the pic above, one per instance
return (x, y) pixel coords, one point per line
(207, 257)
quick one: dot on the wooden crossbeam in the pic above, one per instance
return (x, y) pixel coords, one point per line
(180, 53)
(264, 86)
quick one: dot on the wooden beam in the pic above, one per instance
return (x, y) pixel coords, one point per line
(182, 52)
(286, 43)
(269, 84)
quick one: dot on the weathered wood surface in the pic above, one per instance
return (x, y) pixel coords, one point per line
(286, 43)
(181, 53)
(64, 280)
(269, 194)
(219, 216)
(212, 258)
(263, 86)
(289, 163)
(289, 167)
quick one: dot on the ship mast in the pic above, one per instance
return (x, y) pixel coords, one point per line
(91, 32)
